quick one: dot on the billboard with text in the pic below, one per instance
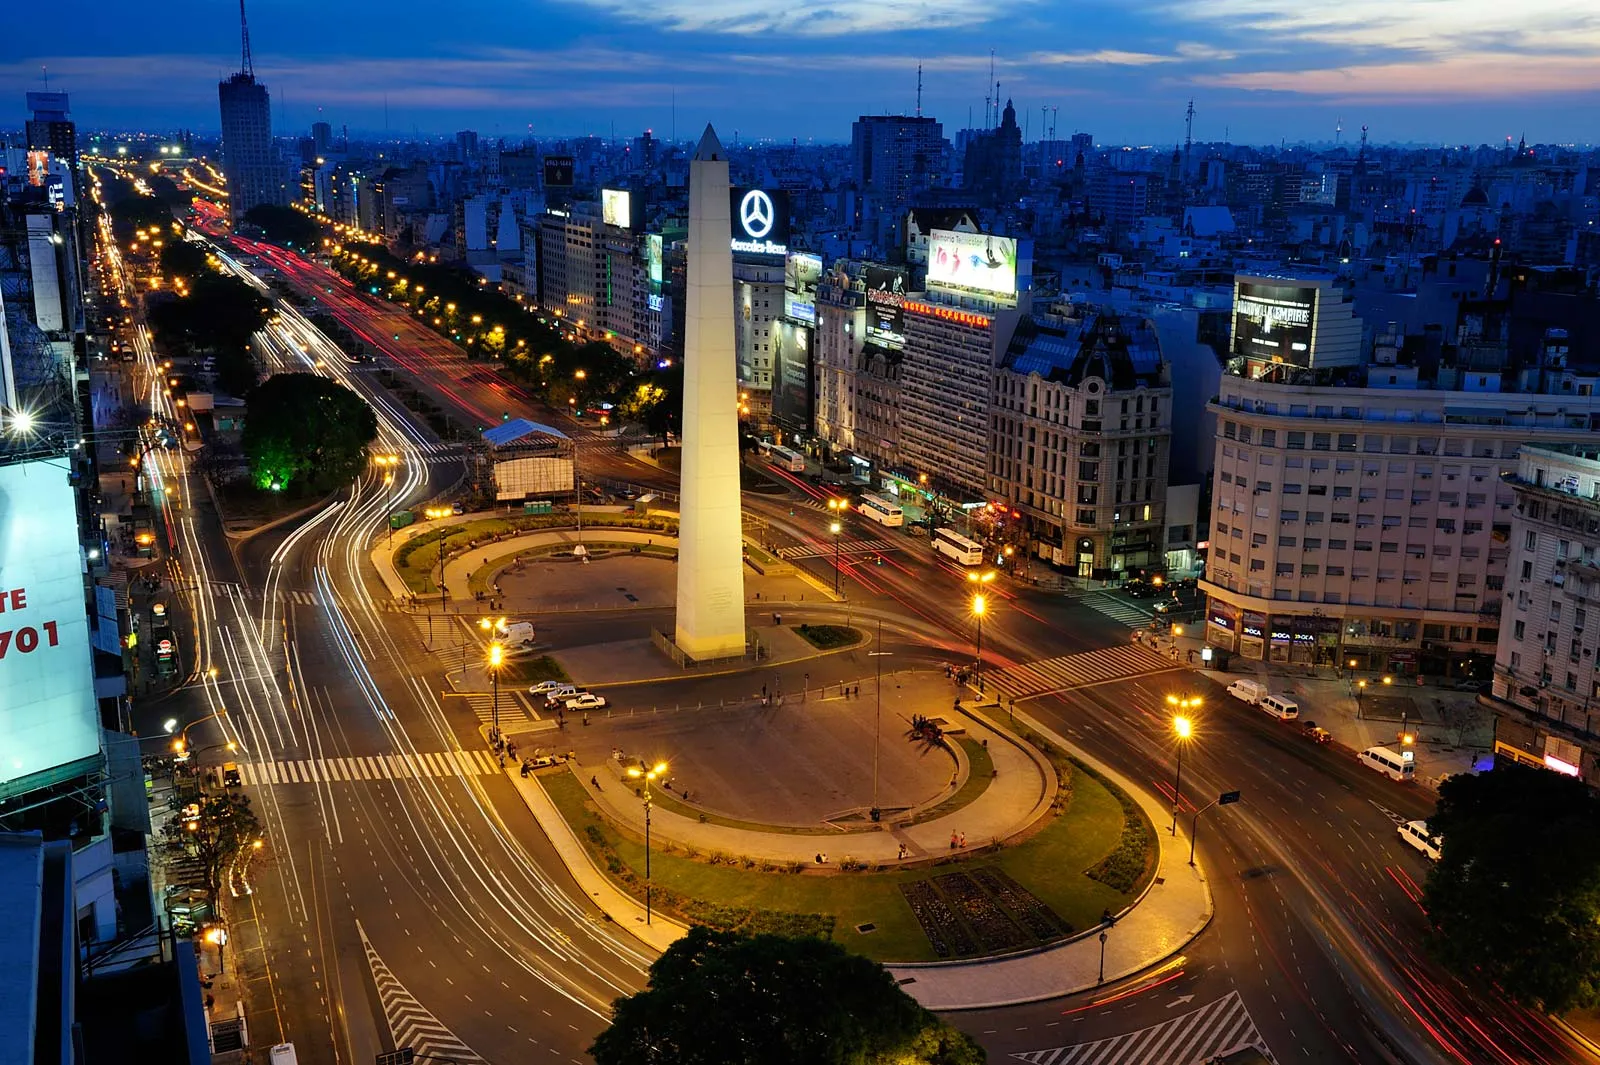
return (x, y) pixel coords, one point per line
(48, 714)
(791, 376)
(1274, 322)
(760, 221)
(558, 171)
(979, 262)
(886, 297)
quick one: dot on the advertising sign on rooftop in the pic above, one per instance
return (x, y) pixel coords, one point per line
(616, 208)
(977, 262)
(760, 221)
(48, 716)
(886, 299)
(1274, 323)
(558, 171)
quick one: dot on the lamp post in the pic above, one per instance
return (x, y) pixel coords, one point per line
(1183, 727)
(1361, 689)
(434, 514)
(980, 607)
(497, 657)
(388, 463)
(647, 775)
(837, 506)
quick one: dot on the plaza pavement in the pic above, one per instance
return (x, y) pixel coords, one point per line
(1173, 909)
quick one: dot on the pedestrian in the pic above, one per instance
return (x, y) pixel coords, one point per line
(902, 853)
(819, 857)
(963, 841)
(595, 781)
(953, 839)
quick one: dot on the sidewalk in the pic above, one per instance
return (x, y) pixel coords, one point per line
(1174, 909)
(1018, 795)
(622, 908)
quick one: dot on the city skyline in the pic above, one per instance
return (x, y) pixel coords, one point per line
(1260, 71)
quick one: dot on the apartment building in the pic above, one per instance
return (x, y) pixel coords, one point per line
(1370, 525)
(1546, 687)
(1080, 440)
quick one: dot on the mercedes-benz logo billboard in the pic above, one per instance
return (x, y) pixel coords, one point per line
(756, 214)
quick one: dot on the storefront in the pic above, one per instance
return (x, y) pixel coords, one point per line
(1222, 625)
(1253, 634)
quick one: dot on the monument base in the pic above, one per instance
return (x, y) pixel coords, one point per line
(746, 648)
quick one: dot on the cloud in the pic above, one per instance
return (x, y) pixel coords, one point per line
(1109, 57)
(800, 18)
(1470, 76)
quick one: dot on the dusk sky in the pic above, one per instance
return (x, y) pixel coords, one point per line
(1434, 71)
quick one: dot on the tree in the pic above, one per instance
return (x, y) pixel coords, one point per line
(724, 998)
(1515, 896)
(284, 225)
(305, 431)
(225, 830)
(179, 258)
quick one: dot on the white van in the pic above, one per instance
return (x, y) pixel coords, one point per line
(516, 634)
(1280, 706)
(1251, 691)
(283, 1054)
(1387, 762)
(1416, 834)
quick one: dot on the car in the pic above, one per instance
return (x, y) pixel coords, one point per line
(1318, 734)
(1166, 606)
(545, 686)
(1416, 834)
(458, 508)
(584, 701)
(1138, 589)
(230, 775)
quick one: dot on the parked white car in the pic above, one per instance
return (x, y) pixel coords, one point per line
(585, 701)
(545, 687)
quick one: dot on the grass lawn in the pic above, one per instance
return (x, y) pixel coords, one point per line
(828, 637)
(532, 670)
(982, 773)
(1050, 864)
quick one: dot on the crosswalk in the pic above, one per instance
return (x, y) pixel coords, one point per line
(1121, 610)
(512, 707)
(1215, 1029)
(1075, 671)
(369, 767)
(234, 590)
(846, 547)
(411, 1024)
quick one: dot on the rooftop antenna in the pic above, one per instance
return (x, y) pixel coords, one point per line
(1338, 130)
(1188, 133)
(246, 65)
(1055, 113)
(986, 122)
(46, 71)
(919, 90)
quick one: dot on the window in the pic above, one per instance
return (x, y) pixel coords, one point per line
(1088, 471)
(1363, 545)
(1317, 490)
(1338, 545)
(1308, 570)
(1287, 541)
(1257, 564)
(1321, 441)
(1312, 543)
(1285, 569)
(1269, 438)
(1258, 539)
(1288, 516)
(1342, 491)
(1532, 542)
(1336, 571)
(1291, 489)
(1297, 441)
(1341, 517)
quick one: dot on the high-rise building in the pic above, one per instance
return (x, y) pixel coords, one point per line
(758, 306)
(992, 165)
(1081, 437)
(249, 161)
(321, 138)
(1546, 681)
(893, 157)
(50, 129)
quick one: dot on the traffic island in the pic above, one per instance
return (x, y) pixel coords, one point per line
(988, 863)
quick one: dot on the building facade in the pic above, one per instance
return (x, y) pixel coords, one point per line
(1369, 524)
(893, 157)
(1545, 688)
(248, 159)
(757, 306)
(1081, 439)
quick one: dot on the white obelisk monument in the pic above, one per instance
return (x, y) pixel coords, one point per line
(710, 539)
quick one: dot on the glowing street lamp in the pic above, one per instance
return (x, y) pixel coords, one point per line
(497, 657)
(1183, 728)
(647, 775)
(980, 607)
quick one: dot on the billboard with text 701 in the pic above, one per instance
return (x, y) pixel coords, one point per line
(48, 716)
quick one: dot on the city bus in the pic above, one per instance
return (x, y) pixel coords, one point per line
(881, 510)
(949, 542)
(784, 458)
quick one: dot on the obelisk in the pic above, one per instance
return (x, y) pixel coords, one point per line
(710, 542)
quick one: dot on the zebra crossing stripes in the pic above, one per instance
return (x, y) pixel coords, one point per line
(368, 767)
(410, 1023)
(1075, 671)
(512, 708)
(1221, 1027)
(846, 547)
(1122, 611)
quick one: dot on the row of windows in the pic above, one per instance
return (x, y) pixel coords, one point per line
(1298, 440)
(1369, 468)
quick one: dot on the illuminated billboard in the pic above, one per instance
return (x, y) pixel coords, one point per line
(760, 221)
(558, 171)
(977, 262)
(791, 376)
(653, 255)
(801, 272)
(48, 716)
(615, 208)
(886, 299)
(1274, 322)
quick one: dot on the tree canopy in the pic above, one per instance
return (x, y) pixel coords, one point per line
(304, 432)
(217, 316)
(225, 829)
(724, 998)
(180, 258)
(284, 225)
(1515, 895)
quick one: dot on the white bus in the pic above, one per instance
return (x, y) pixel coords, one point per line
(949, 542)
(784, 458)
(881, 510)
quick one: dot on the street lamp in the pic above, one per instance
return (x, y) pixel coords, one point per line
(877, 719)
(1183, 726)
(497, 657)
(837, 506)
(388, 463)
(1361, 689)
(647, 775)
(980, 607)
